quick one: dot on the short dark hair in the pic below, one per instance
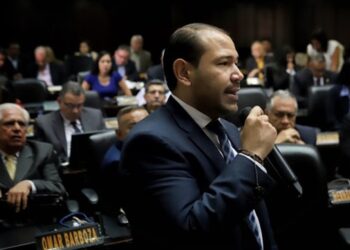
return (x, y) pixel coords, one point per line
(320, 35)
(185, 43)
(72, 87)
(124, 47)
(128, 109)
(154, 82)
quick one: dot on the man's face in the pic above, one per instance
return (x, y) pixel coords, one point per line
(84, 48)
(257, 50)
(216, 80)
(121, 57)
(128, 121)
(13, 128)
(283, 113)
(155, 96)
(71, 106)
(40, 57)
(136, 44)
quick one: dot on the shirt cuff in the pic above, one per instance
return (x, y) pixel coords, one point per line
(33, 187)
(255, 162)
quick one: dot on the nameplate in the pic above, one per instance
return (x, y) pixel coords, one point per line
(71, 238)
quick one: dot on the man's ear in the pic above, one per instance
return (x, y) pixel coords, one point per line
(182, 70)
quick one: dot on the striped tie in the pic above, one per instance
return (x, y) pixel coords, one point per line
(226, 148)
(76, 128)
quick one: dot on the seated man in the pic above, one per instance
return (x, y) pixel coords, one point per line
(72, 117)
(282, 109)
(154, 95)
(314, 75)
(127, 118)
(26, 167)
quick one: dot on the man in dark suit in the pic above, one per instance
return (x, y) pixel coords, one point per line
(124, 65)
(282, 110)
(26, 166)
(314, 75)
(52, 73)
(57, 127)
(182, 186)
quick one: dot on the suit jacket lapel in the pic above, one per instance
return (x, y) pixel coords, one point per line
(5, 180)
(24, 163)
(85, 124)
(58, 125)
(195, 133)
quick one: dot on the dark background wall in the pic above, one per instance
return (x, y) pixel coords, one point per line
(107, 23)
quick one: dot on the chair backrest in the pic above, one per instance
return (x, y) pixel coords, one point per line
(92, 99)
(75, 64)
(318, 107)
(248, 97)
(299, 221)
(81, 75)
(30, 90)
(100, 143)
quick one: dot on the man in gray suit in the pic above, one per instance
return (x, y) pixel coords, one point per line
(57, 127)
(26, 166)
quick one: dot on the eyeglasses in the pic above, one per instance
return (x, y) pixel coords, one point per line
(73, 106)
(282, 114)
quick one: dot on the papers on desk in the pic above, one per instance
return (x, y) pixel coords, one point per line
(111, 122)
(50, 106)
(327, 138)
(54, 89)
(134, 85)
(126, 100)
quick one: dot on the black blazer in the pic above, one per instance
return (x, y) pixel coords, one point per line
(303, 79)
(130, 71)
(179, 192)
(57, 71)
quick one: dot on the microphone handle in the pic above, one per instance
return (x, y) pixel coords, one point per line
(275, 160)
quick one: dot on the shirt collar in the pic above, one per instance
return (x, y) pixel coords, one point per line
(200, 118)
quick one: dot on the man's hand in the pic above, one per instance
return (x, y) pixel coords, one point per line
(18, 195)
(258, 135)
(289, 135)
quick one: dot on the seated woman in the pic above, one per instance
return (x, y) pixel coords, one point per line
(103, 80)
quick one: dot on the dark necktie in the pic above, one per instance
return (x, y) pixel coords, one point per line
(226, 148)
(75, 126)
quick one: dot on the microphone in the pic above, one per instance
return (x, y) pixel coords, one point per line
(276, 161)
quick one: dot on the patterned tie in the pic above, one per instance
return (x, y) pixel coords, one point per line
(10, 165)
(225, 145)
(226, 148)
(75, 126)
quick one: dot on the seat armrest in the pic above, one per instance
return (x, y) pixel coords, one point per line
(91, 195)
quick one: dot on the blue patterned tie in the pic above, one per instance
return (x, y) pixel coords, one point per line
(228, 153)
(225, 144)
